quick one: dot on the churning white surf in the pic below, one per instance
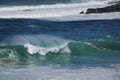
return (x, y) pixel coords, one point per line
(54, 72)
(32, 49)
(103, 16)
(58, 11)
(52, 6)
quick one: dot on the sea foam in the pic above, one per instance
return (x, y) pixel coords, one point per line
(51, 11)
(44, 50)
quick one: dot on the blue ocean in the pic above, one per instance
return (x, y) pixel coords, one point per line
(51, 40)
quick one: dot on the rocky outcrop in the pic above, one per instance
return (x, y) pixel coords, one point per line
(112, 8)
(82, 12)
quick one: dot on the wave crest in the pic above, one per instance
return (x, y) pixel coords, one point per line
(44, 50)
(97, 48)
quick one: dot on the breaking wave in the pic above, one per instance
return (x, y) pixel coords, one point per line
(35, 48)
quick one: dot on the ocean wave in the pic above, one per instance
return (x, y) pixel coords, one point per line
(107, 47)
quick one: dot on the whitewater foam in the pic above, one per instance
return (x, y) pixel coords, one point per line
(56, 72)
(52, 6)
(10, 54)
(102, 16)
(50, 11)
(44, 50)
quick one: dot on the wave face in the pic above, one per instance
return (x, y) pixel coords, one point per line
(52, 49)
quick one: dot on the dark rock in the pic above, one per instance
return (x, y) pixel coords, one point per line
(112, 8)
(82, 12)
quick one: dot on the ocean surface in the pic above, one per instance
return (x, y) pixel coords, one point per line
(50, 40)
